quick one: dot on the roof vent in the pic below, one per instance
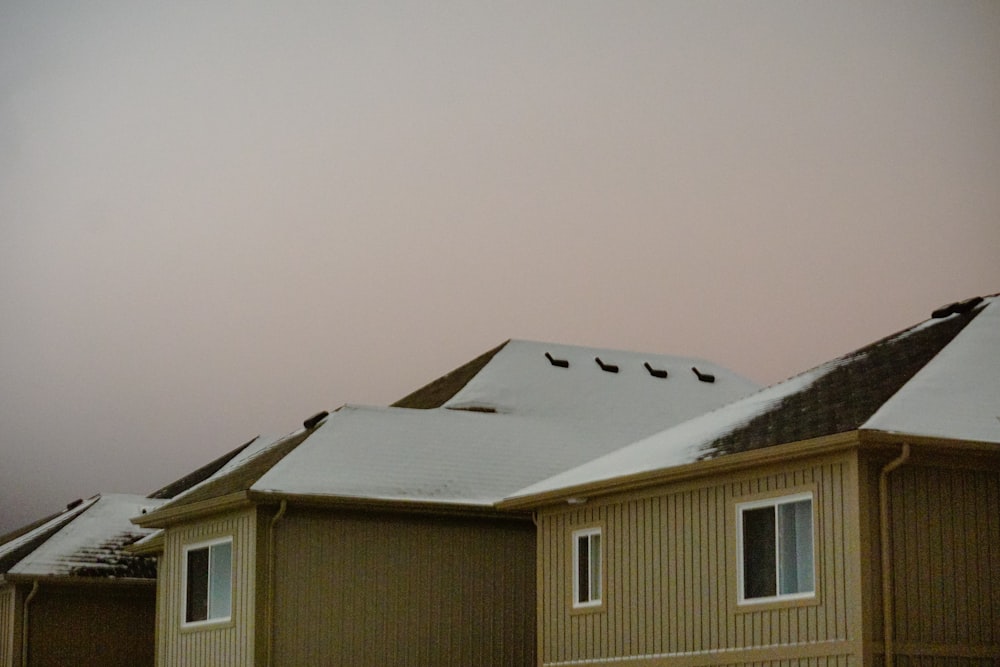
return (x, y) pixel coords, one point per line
(655, 372)
(608, 368)
(704, 377)
(75, 503)
(957, 307)
(315, 419)
(561, 363)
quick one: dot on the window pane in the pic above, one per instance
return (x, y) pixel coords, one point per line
(197, 585)
(595, 566)
(759, 571)
(221, 581)
(796, 548)
(582, 569)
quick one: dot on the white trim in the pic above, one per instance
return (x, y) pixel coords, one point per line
(592, 601)
(773, 501)
(207, 544)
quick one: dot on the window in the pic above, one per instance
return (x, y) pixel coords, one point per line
(776, 549)
(208, 585)
(587, 567)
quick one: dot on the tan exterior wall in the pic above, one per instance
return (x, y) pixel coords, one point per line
(670, 583)
(945, 532)
(230, 644)
(10, 627)
(91, 625)
(377, 589)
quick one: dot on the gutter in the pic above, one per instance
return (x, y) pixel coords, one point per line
(270, 582)
(24, 624)
(888, 632)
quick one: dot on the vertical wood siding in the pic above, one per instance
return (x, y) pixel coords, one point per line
(10, 627)
(403, 590)
(670, 587)
(945, 526)
(91, 626)
(226, 645)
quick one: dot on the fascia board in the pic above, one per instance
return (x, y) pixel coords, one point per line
(716, 466)
(387, 505)
(168, 516)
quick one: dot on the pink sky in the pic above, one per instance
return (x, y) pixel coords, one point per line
(217, 219)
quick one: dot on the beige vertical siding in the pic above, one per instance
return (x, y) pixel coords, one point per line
(670, 582)
(228, 645)
(379, 590)
(946, 564)
(10, 627)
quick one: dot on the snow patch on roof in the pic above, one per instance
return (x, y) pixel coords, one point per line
(679, 445)
(62, 518)
(957, 394)
(256, 447)
(92, 540)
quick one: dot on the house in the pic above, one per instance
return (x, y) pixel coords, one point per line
(847, 516)
(70, 595)
(371, 537)
(74, 590)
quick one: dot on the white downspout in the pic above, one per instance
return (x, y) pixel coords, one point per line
(886, 547)
(270, 582)
(24, 624)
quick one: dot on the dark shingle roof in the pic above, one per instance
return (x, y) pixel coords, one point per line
(198, 476)
(436, 393)
(242, 477)
(843, 399)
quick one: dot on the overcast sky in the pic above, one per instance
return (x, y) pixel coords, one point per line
(217, 219)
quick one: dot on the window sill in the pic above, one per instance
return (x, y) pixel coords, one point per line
(767, 604)
(214, 624)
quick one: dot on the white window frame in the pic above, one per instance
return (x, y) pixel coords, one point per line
(774, 502)
(598, 570)
(209, 544)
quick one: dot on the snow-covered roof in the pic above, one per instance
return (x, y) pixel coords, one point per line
(86, 540)
(437, 456)
(246, 454)
(632, 393)
(940, 378)
(957, 394)
(516, 414)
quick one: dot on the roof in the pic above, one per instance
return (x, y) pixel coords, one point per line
(434, 394)
(201, 474)
(240, 473)
(85, 540)
(940, 378)
(630, 390)
(514, 415)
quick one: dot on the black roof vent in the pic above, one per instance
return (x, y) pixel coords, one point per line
(957, 307)
(315, 419)
(561, 363)
(75, 503)
(655, 372)
(704, 377)
(609, 368)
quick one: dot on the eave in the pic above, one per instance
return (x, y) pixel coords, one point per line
(435, 508)
(168, 516)
(777, 454)
(71, 580)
